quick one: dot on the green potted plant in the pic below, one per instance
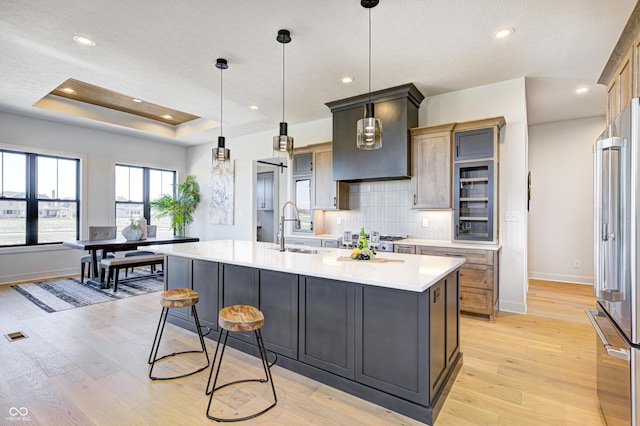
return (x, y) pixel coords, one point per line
(180, 207)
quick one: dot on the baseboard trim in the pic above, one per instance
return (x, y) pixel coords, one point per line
(516, 308)
(38, 276)
(573, 279)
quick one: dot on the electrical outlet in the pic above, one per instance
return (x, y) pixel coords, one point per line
(576, 263)
(425, 222)
(338, 220)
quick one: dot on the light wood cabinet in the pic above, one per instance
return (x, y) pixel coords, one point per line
(621, 74)
(479, 278)
(328, 194)
(431, 152)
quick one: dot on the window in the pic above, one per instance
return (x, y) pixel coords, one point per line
(135, 187)
(39, 198)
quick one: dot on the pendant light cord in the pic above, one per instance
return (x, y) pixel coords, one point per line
(220, 101)
(369, 55)
(283, 82)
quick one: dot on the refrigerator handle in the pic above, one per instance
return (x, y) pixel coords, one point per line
(612, 351)
(605, 231)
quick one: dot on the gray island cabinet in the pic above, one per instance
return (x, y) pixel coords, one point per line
(346, 324)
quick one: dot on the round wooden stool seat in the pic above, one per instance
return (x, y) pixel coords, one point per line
(240, 318)
(179, 298)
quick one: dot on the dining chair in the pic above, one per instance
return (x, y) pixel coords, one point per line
(97, 233)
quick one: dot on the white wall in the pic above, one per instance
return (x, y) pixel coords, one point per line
(506, 99)
(99, 151)
(561, 215)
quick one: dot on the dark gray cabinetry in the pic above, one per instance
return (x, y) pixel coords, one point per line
(177, 272)
(279, 304)
(327, 325)
(205, 282)
(397, 108)
(200, 276)
(240, 287)
(303, 164)
(474, 144)
(453, 314)
(392, 341)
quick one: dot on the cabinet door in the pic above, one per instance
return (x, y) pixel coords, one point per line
(240, 287)
(330, 243)
(327, 325)
(452, 289)
(392, 348)
(178, 275)
(302, 197)
(474, 144)
(264, 191)
(437, 336)
(303, 164)
(328, 194)
(432, 171)
(279, 304)
(205, 282)
(474, 201)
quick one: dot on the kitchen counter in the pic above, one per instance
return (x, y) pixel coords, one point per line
(414, 273)
(449, 244)
(385, 332)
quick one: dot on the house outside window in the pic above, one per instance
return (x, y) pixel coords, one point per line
(39, 198)
(135, 187)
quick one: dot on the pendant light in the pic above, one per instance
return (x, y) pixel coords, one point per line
(283, 143)
(221, 155)
(369, 133)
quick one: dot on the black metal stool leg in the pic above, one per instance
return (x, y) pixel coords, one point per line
(268, 378)
(153, 356)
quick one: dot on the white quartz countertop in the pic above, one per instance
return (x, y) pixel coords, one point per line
(449, 244)
(416, 272)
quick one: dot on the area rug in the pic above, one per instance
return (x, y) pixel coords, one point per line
(68, 293)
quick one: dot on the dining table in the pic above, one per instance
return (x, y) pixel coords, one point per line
(121, 244)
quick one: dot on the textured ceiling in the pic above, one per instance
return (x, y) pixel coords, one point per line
(165, 53)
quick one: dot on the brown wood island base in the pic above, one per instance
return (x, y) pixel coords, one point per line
(396, 348)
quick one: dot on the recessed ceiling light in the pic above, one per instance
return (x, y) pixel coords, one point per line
(582, 90)
(504, 32)
(69, 90)
(347, 80)
(254, 107)
(167, 117)
(83, 40)
(137, 100)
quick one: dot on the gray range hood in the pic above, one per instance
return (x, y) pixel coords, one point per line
(397, 107)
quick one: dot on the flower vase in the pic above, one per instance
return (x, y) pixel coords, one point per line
(132, 233)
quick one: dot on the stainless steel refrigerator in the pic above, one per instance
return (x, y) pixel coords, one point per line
(616, 318)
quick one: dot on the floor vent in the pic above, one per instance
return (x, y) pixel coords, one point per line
(17, 335)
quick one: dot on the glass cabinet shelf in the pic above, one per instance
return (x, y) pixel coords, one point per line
(473, 204)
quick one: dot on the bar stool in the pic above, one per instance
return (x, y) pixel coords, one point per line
(177, 298)
(240, 318)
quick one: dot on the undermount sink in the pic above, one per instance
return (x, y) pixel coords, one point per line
(301, 250)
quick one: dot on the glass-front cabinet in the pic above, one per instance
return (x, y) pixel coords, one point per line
(474, 202)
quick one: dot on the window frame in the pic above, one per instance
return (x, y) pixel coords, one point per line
(32, 200)
(146, 186)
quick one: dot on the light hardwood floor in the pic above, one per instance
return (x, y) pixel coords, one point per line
(89, 366)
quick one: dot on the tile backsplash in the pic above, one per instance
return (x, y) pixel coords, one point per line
(386, 207)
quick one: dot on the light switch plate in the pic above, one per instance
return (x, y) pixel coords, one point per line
(425, 222)
(512, 217)
(338, 220)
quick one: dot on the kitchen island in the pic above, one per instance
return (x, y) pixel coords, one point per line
(387, 332)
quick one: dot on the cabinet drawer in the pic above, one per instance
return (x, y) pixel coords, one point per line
(404, 248)
(476, 276)
(476, 301)
(483, 257)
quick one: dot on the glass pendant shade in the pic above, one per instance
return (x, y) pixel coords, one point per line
(283, 143)
(369, 130)
(221, 155)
